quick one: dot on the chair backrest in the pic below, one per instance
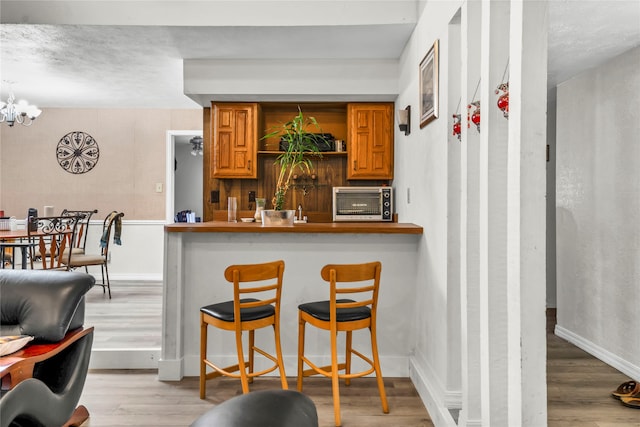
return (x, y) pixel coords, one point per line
(82, 230)
(112, 225)
(250, 279)
(349, 278)
(48, 238)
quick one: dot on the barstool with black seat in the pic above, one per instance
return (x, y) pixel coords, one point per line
(245, 314)
(346, 315)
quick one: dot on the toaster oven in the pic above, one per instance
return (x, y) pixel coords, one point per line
(362, 203)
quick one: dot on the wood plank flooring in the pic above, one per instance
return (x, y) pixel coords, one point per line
(131, 319)
(579, 388)
(578, 385)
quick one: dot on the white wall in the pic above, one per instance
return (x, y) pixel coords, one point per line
(551, 199)
(421, 169)
(502, 190)
(598, 211)
(140, 255)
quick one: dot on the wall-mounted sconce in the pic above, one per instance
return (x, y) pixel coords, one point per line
(404, 120)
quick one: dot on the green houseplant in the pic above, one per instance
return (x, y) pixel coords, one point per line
(299, 144)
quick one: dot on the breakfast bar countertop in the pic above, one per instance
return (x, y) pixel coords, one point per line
(309, 227)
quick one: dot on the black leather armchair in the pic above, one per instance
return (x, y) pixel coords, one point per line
(265, 408)
(48, 305)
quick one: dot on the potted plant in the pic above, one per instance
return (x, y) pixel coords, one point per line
(298, 145)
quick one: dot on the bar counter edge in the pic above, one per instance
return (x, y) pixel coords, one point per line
(310, 227)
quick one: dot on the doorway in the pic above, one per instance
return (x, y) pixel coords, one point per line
(184, 171)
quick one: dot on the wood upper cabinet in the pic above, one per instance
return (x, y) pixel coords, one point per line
(234, 131)
(370, 141)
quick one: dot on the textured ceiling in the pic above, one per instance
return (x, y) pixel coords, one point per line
(141, 66)
(586, 33)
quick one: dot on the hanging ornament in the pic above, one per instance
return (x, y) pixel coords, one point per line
(456, 121)
(456, 125)
(474, 117)
(503, 99)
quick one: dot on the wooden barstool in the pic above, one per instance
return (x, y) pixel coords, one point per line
(344, 315)
(245, 314)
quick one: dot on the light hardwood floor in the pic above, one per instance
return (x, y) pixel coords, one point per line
(132, 318)
(578, 385)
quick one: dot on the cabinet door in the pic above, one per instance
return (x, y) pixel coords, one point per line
(234, 131)
(370, 150)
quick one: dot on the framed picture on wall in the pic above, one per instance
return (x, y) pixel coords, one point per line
(429, 86)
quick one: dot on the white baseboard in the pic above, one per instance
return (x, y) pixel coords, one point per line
(453, 399)
(170, 370)
(143, 277)
(440, 415)
(611, 359)
(146, 358)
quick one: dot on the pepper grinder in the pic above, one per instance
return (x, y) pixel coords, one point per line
(259, 208)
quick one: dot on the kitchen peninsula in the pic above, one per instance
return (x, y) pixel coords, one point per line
(195, 256)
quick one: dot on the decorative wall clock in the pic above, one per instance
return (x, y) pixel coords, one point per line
(77, 152)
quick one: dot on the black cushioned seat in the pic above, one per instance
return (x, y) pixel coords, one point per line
(224, 311)
(322, 310)
(265, 408)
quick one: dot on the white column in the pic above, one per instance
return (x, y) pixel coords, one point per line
(455, 106)
(526, 391)
(503, 217)
(171, 363)
(472, 391)
(493, 209)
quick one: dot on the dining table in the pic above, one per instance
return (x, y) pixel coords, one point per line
(14, 239)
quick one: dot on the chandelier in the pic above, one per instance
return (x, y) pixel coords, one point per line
(22, 112)
(196, 143)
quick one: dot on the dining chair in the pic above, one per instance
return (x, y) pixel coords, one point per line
(344, 315)
(48, 237)
(111, 226)
(82, 229)
(245, 314)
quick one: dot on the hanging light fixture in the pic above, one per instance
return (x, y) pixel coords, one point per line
(196, 143)
(22, 112)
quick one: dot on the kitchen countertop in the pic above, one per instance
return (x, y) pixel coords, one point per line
(310, 227)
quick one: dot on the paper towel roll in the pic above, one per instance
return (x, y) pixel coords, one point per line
(48, 211)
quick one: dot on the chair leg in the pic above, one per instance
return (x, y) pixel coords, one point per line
(376, 364)
(335, 384)
(252, 342)
(301, 324)
(347, 365)
(283, 375)
(203, 355)
(241, 364)
(102, 271)
(106, 273)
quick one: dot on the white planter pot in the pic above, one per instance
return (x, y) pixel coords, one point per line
(273, 218)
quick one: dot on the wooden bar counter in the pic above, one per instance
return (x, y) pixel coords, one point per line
(309, 227)
(196, 255)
